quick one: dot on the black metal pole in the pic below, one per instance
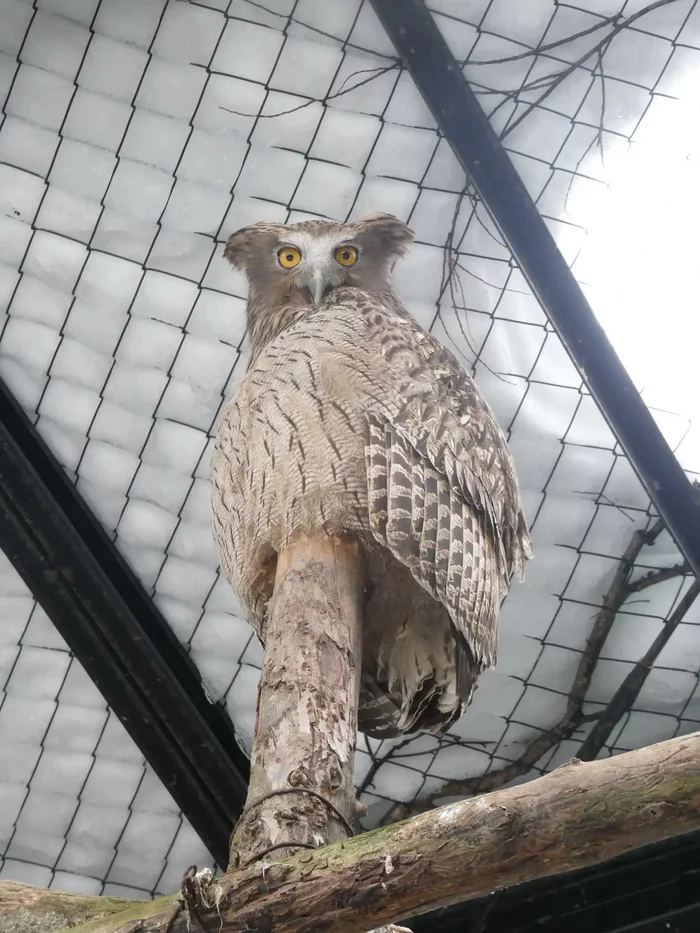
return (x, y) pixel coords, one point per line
(116, 632)
(466, 127)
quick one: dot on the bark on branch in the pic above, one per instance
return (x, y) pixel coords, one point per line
(578, 815)
(25, 908)
(301, 792)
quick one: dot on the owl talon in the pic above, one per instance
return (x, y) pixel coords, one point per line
(360, 809)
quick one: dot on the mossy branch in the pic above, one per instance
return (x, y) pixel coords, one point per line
(579, 815)
(25, 908)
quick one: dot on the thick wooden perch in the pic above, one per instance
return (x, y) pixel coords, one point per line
(579, 815)
(301, 790)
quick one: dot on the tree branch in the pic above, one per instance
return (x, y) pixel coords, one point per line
(25, 908)
(301, 792)
(579, 815)
(659, 576)
(628, 691)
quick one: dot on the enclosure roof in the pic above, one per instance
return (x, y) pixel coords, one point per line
(136, 136)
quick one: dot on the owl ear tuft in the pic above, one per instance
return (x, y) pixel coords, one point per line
(241, 244)
(387, 231)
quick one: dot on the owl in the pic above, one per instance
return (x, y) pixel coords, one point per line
(352, 419)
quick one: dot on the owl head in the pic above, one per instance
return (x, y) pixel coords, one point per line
(307, 260)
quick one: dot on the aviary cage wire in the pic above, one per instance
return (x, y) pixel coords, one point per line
(138, 134)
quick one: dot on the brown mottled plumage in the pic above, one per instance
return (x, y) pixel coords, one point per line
(352, 418)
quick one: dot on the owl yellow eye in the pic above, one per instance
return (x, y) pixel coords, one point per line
(289, 257)
(346, 255)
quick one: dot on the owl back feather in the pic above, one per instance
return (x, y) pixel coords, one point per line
(420, 519)
(353, 419)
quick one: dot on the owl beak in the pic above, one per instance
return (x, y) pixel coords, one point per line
(317, 287)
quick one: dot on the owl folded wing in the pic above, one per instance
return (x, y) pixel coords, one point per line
(443, 495)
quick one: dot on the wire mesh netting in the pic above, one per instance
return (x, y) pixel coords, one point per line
(136, 136)
(80, 809)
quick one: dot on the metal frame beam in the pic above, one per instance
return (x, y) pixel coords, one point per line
(441, 82)
(112, 626)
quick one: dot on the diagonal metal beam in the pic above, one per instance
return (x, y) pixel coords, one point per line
(466, 127)
(116, 632)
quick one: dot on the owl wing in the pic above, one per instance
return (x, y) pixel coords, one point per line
(443, 495)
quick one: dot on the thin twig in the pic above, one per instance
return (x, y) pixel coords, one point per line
(601, 124)
(661, 576)
(374, 73)
(449, 266)
(450, 276)
(382, 760)
(320, 32)
(548, 46)
(557, 78)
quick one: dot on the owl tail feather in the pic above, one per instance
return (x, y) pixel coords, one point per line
(384, 714)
